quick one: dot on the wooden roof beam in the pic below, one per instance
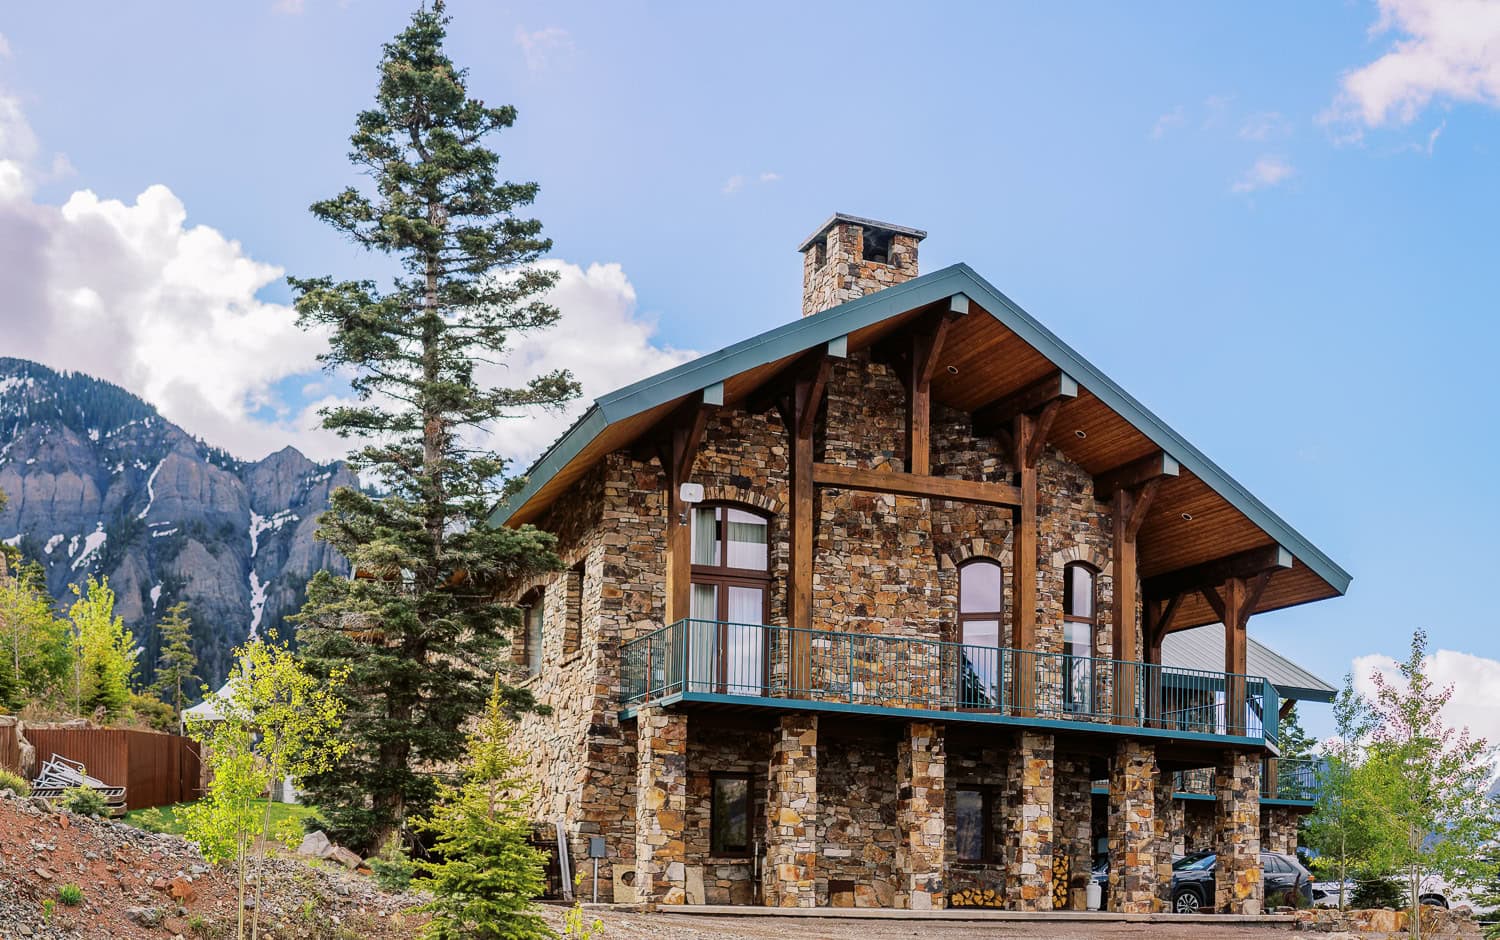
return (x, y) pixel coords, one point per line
(999, 413)
(772, 392)
(1128, 476)
(1212, 574)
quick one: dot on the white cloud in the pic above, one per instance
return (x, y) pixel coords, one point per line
(1173, 118)
(1268, 171)
(539, 47)
(1264, 126)
(288, 7)
(131, 293)
(1445, 50)
(1476, 687)
(601, 337)
(739, 181)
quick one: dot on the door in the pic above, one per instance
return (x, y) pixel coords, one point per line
(727, 635)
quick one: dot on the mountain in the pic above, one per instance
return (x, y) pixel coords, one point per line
(100, 483)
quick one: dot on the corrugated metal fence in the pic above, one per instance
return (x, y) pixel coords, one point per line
(155, 769)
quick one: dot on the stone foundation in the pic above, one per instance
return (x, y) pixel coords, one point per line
(1132, 828)
(921, 770)
(1168, 826)
(1240, 889)
(661, 807)
(1028, 830)
(792, 814)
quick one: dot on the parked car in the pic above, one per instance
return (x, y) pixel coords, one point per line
(1193, 880)
(1434, 891)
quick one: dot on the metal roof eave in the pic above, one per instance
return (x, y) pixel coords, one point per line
(807, 332)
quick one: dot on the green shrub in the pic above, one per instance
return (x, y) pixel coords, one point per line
(71, 895)
(49, 910)
(1379, 892)
(393, 868)
(85, 801)
(10, 781)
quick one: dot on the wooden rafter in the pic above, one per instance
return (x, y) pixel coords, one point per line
(1211, 574)
(1002, 411)
(1154, 466)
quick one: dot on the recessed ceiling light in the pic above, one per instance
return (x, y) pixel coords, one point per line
(1187, 517)
(953, 370)
(1081, 433)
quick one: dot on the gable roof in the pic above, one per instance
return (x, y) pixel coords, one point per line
(616, 419)
(1203, 648)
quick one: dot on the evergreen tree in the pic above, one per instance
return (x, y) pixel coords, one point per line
(419, 625)
(176, 663)
(36, 649)
(488, 872)
(104, 651)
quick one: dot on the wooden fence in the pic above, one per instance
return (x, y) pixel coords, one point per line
(155, 769)
(10, 749)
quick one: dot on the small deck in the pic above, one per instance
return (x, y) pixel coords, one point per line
(743, 666)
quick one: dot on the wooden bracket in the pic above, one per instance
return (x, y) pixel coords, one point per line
(1211, 574)
(1154, 466)
(1001, 412)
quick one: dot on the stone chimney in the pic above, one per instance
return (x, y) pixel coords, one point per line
(849, 257)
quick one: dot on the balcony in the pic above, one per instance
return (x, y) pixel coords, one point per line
(741, 664)
(1291, 781)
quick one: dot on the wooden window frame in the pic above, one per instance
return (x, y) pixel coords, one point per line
(715, 850)
(965, 616)
(722, 577)
(988, 854)
(1091, 621)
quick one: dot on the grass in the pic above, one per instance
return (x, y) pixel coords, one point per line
(168, 818)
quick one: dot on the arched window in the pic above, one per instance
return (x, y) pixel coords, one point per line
(532, 606)
(731, 599)
(981, 592)
(1080, 620)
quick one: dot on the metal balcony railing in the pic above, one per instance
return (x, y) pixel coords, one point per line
(707, 659)
(1285, 778)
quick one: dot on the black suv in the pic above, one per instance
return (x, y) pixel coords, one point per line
(1193, 881)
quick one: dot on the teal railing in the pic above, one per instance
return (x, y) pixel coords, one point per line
(1285, 778)
(714, 658)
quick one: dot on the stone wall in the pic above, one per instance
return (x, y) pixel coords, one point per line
(1279, 829)
(857, 822)
(1197, 832)
(715, 748)
(921, 772)
(977, 883)
(1029, 823)
(1132, 828)
(1237, 878)
(661, 807)
(835, 271)
(1073, 847)
(792, 814)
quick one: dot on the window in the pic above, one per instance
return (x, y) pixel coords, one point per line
(531, 633)
(981, 587)
(1079, 624)
(729, 815)
(820, 254)
(731, 597)
(974, 839)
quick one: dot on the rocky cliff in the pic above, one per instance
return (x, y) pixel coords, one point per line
(99, 483)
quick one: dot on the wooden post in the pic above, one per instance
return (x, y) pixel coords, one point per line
(1023, 570)
(1130, 506)
(1235, 617)
(919, 406)
(678, 453)
(806, 399)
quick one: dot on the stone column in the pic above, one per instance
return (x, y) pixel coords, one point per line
(1132, 828)
(1281, 829)
(921, 771)
(1028, 824)
(792, 814)
(1237, 834)
(1074, 846)
(1168, 821)
(660, 806)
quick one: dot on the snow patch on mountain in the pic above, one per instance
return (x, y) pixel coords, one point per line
(151, 489)
(91, 544)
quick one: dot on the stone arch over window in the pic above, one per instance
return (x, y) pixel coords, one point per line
(759, 501)
(963, 550)
(528, 651)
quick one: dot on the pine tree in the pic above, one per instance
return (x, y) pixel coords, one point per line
(176, 663)
(488, 872)
(419, 625)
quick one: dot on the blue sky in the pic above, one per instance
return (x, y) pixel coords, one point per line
(1273, 224)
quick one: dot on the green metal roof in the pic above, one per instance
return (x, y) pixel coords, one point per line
(1203, 648)
(835, 322)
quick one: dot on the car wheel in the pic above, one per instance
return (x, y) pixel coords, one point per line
(1434, 900)
(1186, 901)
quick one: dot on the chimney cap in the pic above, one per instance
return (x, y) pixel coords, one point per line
(838, 217)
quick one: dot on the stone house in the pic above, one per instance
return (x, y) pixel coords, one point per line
(903, 604)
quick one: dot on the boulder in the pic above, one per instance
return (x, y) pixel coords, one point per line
(344, 857)
(315, 844)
